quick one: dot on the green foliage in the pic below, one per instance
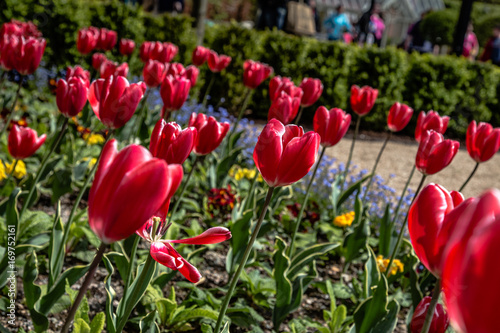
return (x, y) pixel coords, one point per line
(438, 27)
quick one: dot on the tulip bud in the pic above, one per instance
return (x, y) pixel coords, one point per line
(126, 46)
(174, 92)
(97, 60)
(284, 108)
(23, 142)
(114, 100)
(78, 72)
(363, 99)
(312, 88)
(210, 133)
(107, 39)
(399, 116)
(254, 73)
(200, 55)
(482, 141)
(430, 121)
(440, 319)
(331, 125)
(171, 143)
(86, 41)
(8, 49)
(109, 68)
(28, 54)
(218, 63)
(71, 96)
(435, 153)
(175, 69)
(284, 154)
(279, 84)
(191, 74)
(153, 73)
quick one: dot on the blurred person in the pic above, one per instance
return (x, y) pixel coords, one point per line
(337, 24)
(415, 40)
(268, 14)
(471, 45)
(488, 48)
(171, 6)
(377, 25)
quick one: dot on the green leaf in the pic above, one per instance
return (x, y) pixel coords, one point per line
(33, 292)
(372, 310)
(56, 248)
(61, 183)
(83, 310)
(338, 318)
(371, 273)
(240, 232)
(416, 293)
(389, 322)
(11, 214)
(165, 308)
(388, 235)
(97, 324)
(223, 166)
(354, 187)
(110, 295)
(225, 328)
(342, 291)
(148, 323)
(356, 240)
(189, 314)
(80, 326)
(304, 257)
(80, 170)
(283, 284)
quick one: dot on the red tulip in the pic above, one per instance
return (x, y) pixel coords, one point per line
(175, 69)
(435, 153)
(284, 108)
(200, 55)
(331, 125)
(470, 276)
(482, 141)
(18, 28)
(97, 60)
(71, 96)
(78, 72)
(171, 143)
(210, 133)
(254, 73)
(109, 68)
(126, 46)
(191, 74)
(440, 319)
(163, 52)
(87, 39)
(129, 187)
(399, 116)
(363, 99)
(218, 63)
(284, 154)
(430, 121)
(8, 49)
(114, 100)
(163, 252)
(24, 142)
(28, 54)
(312, 88)
(174, 92)
(279, 84)
(107, 39)
(426, 224)
(154, 73)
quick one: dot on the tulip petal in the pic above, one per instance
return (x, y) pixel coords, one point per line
(210, 236)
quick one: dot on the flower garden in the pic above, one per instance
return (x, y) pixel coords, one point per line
(132, 201)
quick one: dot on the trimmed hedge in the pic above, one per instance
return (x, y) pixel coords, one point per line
(450, 85)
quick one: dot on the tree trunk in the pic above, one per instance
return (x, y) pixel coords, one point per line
(461, 28)
(199, 12)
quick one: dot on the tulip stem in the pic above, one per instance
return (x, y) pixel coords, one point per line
(207, 92)
(304, 203)
(131, 263)
(299, 115)
(400, 202)
(469, 178)
(42, 166)
(346, 171)
(9, 176)
(84, 287)
(134, 298)
(432, 307)
(243, 261)
(251, 191)
(183, 189)
(140, 116)
(375, 165)
(12, 109)
(401, 232)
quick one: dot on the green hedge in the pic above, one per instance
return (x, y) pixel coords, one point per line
(450, 85)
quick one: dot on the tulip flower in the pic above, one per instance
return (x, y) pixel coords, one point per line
(331, 125)
(440, 319)
(399, 117)
(430, 121)
(71, 96)
(470, 277)
(126, 46)
(8, 49)
(163, 252)
(312, 88)
(254, 73)
(78, 72)
(174, 92)
(23, 142)
(107, 39)
(210, 133)
(279, 84)
(18, 28)
(284, 108)
(425, 224)
(175, 69)
(171, 143)
(153, 73)
(482, 141)
(87, 39)
(97, 60)
(109, 68)
(191, 74)
(114, 100)
(218, 63)
(28, 54)
(435, 153)
(363, 99)
(130, 186)
(284, 154)
(200, 55)
(163, 52)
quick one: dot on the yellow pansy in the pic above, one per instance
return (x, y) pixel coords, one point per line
(93, 139)
(19, 171)
(397, 265)
(344, 220)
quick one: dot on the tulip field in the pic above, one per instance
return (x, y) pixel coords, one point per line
(133, 202)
